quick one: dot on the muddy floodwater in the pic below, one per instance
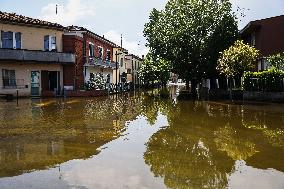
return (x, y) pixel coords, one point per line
(140, 141)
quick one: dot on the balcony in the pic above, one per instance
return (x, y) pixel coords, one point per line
(93, 61)
(37, 56)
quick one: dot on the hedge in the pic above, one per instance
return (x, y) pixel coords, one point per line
(270, 81)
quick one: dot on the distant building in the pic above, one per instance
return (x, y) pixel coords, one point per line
(267, 36)
(31, 56)
(94, 55)
(119, 55)
(132, 64)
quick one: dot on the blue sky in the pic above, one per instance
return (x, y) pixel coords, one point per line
(114, 17)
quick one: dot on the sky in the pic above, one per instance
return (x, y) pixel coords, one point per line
(112, 18)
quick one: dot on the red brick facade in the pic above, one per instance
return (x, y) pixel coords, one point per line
(74, 76)
(73, 43)
(98, 43)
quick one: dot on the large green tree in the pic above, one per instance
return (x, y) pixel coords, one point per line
(154, 69)
(190, 34)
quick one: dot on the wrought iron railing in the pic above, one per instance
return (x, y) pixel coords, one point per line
(94, 61)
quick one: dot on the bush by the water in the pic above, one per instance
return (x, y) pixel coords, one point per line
(270, 81)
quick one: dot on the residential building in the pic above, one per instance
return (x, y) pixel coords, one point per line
(31, 56)
(119, 55)
(265, 35)
(132, 64)
(94, 55)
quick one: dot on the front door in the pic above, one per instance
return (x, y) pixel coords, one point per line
(35, 83)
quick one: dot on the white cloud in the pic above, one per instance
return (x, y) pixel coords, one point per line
(134, 47)
(70, 13)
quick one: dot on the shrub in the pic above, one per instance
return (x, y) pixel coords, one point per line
(96, 83)
(238, 58)
(277, 61)
(269, 81)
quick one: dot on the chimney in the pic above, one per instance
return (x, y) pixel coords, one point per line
(143, 57)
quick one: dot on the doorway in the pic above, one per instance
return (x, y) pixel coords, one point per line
(35, 83)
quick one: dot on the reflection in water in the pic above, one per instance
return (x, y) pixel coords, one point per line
(44, 133)
(205, 141)
(142, 140)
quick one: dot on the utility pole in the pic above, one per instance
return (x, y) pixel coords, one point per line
(121, 41)
(56, 9)
(133, 79)
(116, 67)
(116, 70)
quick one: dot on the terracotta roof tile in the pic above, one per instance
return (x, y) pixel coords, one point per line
(78, 28)
(14, 18)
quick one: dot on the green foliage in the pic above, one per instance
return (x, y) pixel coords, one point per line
(277, 61)
(270, 81)
(97, 83)
(236, 59)
(154, 70)
(189, 34)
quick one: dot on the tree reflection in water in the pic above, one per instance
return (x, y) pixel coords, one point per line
(205, 140)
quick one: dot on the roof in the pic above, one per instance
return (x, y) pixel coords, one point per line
(135, 56)
(256, 24)
(250, 27)
(82, 29)
(13, 18)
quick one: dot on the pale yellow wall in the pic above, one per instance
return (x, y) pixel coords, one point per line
(114, 78)
(33, 37)
(23, 71)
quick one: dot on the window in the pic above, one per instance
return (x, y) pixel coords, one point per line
(7, 39)
(91, 50)
(9, 78)
(108, 55)
(53, 43)
(18, 39)
(46, 43)
(49, 43)
(128, 71)
(121, 62)
(11, 40)
(101, 52)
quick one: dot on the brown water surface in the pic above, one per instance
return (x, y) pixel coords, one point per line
(140, 141)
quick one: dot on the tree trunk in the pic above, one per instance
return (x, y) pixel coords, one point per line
(193, 88)
(230, 88)
(187, 85)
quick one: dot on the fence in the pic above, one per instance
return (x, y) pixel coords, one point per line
(264, 85)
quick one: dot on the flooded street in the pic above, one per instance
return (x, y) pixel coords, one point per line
(140, 141)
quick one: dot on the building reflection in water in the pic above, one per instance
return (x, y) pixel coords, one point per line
(44, 133)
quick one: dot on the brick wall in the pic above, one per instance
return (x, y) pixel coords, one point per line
(98, 43)
(74, 74)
